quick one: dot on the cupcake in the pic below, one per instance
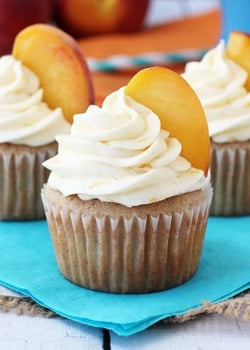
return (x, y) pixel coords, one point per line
(220, 84)
(27, 130)
(28, 124)
(126, 212)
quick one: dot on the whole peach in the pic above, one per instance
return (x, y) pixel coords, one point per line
(88, 17)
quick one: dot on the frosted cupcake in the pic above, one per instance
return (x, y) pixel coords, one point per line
(42, 84)
(126, 212)
(27, 138)
(220, 84)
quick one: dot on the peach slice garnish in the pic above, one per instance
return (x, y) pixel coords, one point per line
(58, 61)
(238, 50)
(168, 95)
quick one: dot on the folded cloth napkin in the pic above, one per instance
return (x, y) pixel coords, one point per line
(184, 38)
(27, 265)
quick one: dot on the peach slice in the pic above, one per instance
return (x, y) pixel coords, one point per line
(238, 50)
(168, 95)
(58, 61)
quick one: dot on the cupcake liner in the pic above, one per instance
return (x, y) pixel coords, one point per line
(127, 255)
(230, 177)
(21, 179)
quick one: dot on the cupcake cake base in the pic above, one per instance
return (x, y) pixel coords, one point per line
(113, 248)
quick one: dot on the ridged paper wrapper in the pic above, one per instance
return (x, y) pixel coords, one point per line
(21, 179)
(230, 177)
(122, 254)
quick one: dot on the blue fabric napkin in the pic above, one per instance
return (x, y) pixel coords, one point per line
(27, 265)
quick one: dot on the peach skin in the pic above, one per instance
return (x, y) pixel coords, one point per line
(59, 63)
(167, 94)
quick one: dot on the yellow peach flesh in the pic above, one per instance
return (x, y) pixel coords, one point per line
(168, 95)
(57, 60)
(238, 50)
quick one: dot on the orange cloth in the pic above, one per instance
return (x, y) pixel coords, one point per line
(198, 32)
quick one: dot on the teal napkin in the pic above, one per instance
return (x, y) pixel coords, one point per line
(27, 265)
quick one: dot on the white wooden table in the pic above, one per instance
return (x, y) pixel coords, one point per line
(207, 332)
(211, 332)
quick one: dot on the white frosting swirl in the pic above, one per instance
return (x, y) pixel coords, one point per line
(219, 83)
(24, 117)
(118, 153)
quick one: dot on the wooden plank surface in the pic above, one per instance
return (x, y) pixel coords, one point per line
(207, 332)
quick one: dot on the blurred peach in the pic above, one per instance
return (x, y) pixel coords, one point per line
(88, 17)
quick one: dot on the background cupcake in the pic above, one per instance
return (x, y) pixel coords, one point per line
(126, 212)
(32, 111)
(220, 84)
(27, 130)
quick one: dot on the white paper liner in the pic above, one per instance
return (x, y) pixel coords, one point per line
(134, 255)
(230, 177)
(21, 179)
